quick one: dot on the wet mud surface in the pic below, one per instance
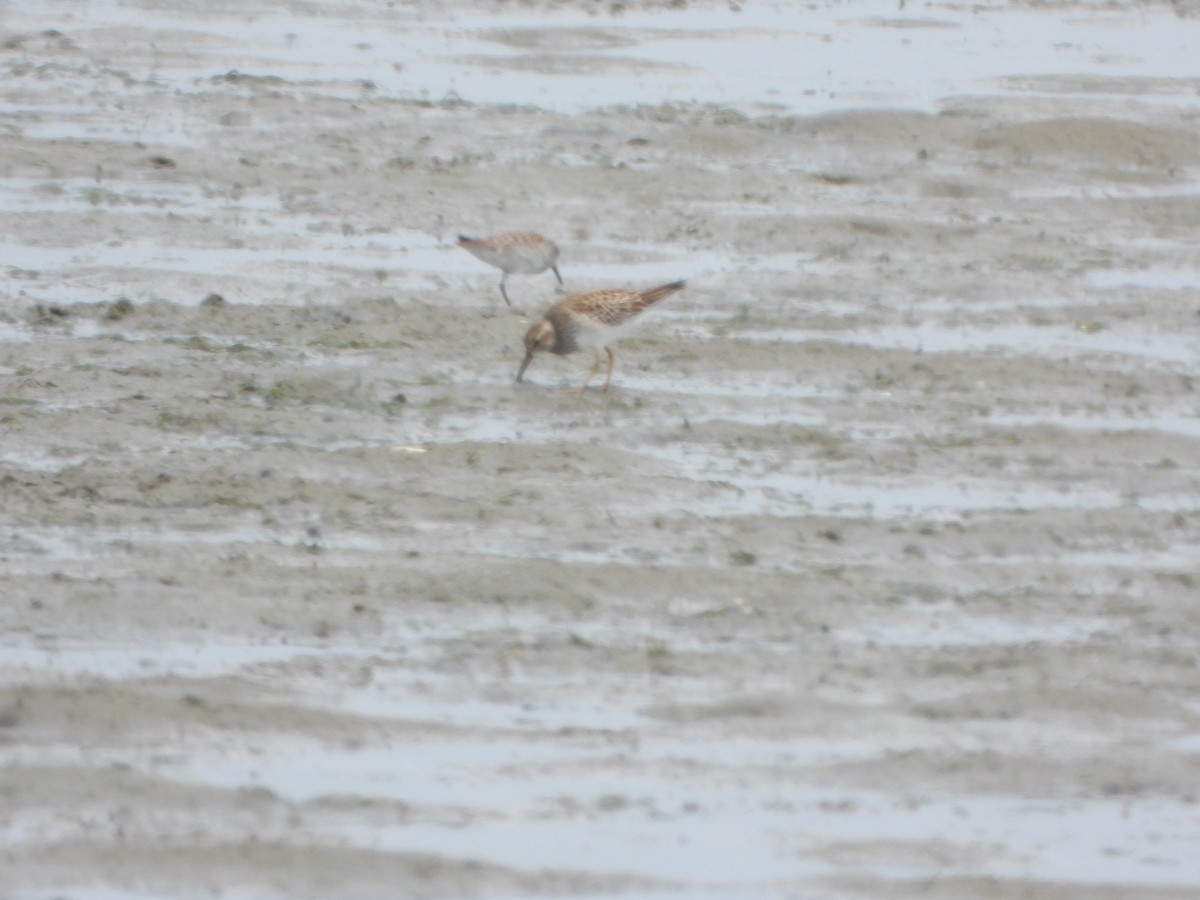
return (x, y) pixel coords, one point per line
(875, 574)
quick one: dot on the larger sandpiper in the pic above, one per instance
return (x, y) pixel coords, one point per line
(593, 320)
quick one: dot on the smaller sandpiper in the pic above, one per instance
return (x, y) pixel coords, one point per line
(595, 320)
(522, 252)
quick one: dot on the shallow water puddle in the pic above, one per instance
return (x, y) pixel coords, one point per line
(45, 462)
(402, 682)
(662, 56)
(463, 772)
(90, 892)
(1180, 557)
(597, 808)
(734, 389)
(1155, 279)
(755, 840)
(66, 544)
(384, 701)
(1043, 339)
(78, 195)
(1186, 424)
(1188, 744)
(949, 627)
(684, 264)
(294, 546)
(218, 261)
(392, 259)
(66, 123)
(69, 659)
(763, 486)
(711, 853)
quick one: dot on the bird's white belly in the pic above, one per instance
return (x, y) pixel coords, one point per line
(521, 262)
(596, 336)
(525, 263)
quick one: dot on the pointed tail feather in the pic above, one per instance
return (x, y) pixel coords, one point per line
(652, 295)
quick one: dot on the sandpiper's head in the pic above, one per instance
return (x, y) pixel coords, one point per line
(539, 338)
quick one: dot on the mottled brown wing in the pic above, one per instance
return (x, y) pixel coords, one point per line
(607, 307)
(520, 240)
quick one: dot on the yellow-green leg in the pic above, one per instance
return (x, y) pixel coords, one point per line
(612, 358)
(592, 374)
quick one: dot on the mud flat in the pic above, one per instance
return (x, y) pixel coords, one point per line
(875, 575)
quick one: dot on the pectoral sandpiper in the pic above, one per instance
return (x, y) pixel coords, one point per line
(595, 320)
